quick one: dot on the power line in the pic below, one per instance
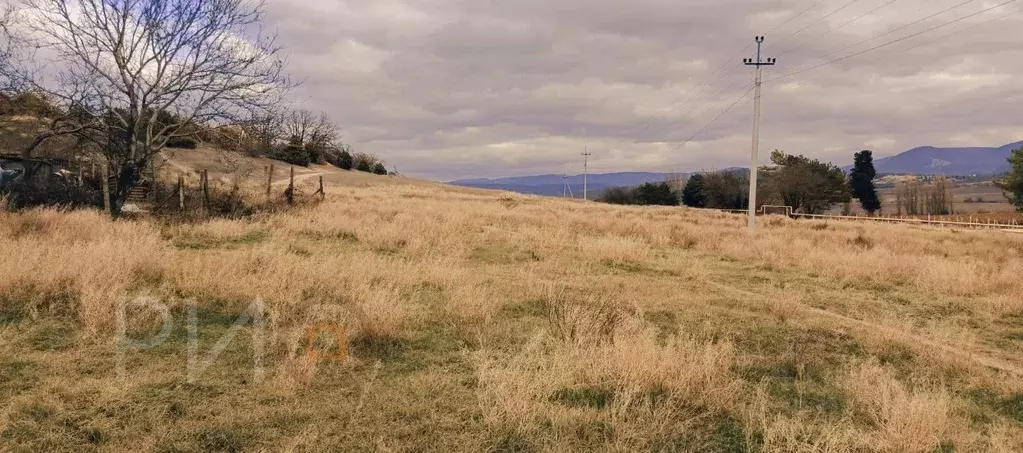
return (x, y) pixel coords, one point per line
(792, 19)
(893, 41)
(861, 16)
(821, 19)
(704, 84)
(710, 123)
(955, 32)
(889, 32)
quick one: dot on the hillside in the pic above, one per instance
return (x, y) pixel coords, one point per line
(423, 317)
(929, 160)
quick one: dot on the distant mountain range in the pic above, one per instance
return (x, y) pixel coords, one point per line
(555, 184)
(926, 160)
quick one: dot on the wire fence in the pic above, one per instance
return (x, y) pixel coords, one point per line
(960, 222)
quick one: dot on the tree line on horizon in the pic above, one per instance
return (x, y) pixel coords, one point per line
(807, 185)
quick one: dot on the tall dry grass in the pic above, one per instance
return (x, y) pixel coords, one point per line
(504, 321)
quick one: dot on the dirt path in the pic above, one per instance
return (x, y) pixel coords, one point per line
(982, 360)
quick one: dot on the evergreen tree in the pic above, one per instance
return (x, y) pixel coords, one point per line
(861, 181)
(1012, 182)
(344, 160)
(379, 169)
(694, 193)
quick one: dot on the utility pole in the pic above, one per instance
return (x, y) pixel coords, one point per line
(564, 186)
(586, 173)
(759, 64)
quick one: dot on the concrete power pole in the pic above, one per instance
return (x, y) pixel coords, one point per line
(586, 173)
(759, 64)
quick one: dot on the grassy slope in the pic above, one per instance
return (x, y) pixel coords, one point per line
(477, 320)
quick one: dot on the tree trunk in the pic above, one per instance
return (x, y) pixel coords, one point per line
(128, 176)
(105, 184)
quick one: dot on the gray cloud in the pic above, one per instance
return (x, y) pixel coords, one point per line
(468, 88)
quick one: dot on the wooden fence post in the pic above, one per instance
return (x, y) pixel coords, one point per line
(181, 193)
(290, 193)
(323, 195)
(269, 180)
(206, 190)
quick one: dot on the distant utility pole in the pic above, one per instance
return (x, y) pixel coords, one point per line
(755, 155)
(567, 189)
(586, 172)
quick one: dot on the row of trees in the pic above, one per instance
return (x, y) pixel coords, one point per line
(807, 185)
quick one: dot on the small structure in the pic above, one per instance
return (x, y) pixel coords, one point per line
(16, 169)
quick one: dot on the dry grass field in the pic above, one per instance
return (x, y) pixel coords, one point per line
(416, 317)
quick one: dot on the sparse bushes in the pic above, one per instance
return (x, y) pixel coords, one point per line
(363, 166)
(379, 169)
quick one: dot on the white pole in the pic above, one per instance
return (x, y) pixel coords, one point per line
(755, 152)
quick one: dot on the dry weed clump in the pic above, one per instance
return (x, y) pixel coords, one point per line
(600, 378)
(901, 418)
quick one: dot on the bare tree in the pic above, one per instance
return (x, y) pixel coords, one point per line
(316, 134)
(133, 74)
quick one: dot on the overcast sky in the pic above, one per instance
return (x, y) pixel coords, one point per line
(450, 89)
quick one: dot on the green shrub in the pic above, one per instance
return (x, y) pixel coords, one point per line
(290, 154)
(616, 195)
(182, 142)
(379, 169)
(344, 160)
(363, 166)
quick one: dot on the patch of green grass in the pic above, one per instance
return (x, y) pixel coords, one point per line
(36, 427)
(53, 336)
(16, 376)
(512, 442)
(330, 236)
(594, 397)
(221, 440)
(633, 267)
(210, 243)
(666, 321)
(526, 308)
(28, 301)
